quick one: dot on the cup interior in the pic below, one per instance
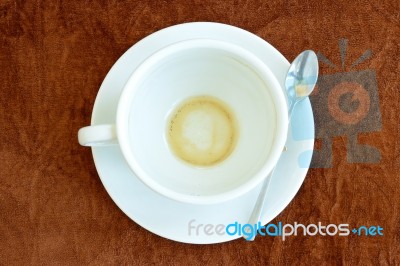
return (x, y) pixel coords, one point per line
(202, 68)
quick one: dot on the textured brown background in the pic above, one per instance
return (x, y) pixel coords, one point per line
(53, 58)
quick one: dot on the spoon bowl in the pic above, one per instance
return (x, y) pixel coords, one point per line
(301, 78)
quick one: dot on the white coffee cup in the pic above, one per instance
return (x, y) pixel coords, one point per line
(197, 67)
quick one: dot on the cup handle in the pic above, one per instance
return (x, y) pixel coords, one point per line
(98, 135)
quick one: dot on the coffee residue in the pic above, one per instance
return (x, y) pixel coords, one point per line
(202, 131)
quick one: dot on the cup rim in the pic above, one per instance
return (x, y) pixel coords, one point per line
(265, 74)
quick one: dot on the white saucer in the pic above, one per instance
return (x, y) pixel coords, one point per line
(168, 218)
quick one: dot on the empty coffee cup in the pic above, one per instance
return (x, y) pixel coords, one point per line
(199, 121)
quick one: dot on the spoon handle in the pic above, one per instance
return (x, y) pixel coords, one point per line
(291, 108)
(259, 206)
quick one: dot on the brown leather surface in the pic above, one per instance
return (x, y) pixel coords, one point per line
(53, 207)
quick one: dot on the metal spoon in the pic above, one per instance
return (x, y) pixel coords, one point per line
(299, 84)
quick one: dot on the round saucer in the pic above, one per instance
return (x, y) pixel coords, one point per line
(169, 218)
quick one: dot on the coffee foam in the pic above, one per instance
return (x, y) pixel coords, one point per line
(202, 131)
